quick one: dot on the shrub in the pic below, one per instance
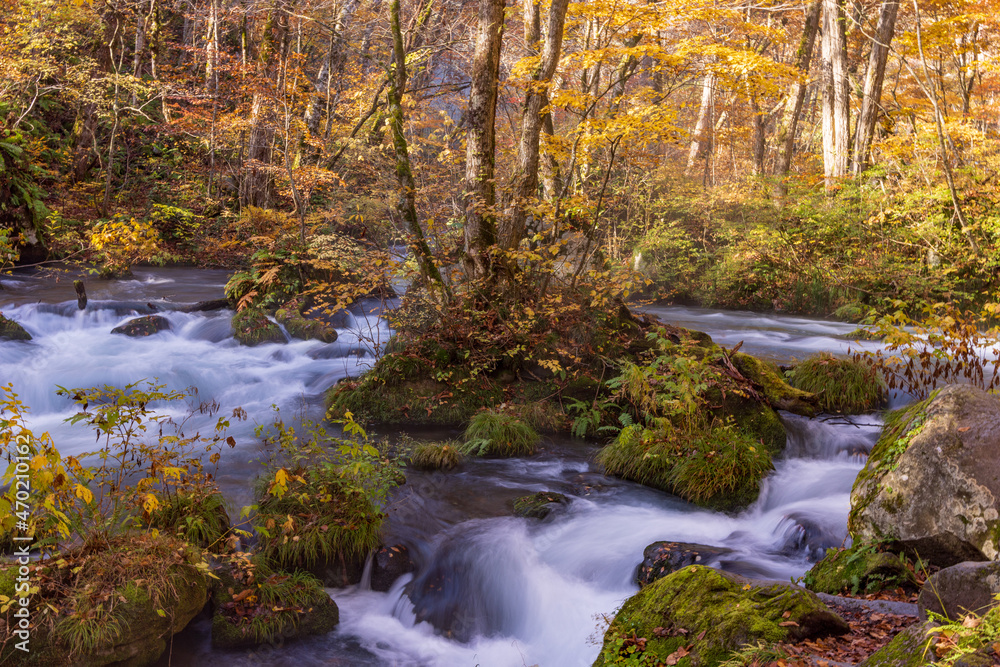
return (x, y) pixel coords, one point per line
(196, 517)
(436, 456)
(842, 385)
(323, 497)
(498, 434)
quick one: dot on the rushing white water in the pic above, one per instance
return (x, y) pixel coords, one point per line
(517, 592)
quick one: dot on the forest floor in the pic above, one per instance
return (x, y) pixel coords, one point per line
(870, 631)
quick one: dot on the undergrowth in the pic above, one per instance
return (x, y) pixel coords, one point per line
(492, 433)
(842, 385)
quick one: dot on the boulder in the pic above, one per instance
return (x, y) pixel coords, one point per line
(144, 626)
(932, 486)
(305, 328)
(662, 558)
(910, 648)
(538, 505)
(699, 616)
(252, 327)
(961, 589)
(860, 569)
(390, 564)
(205, 306)
(143, 326)
(11, 330)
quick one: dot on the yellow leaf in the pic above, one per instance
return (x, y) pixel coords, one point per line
(83, 493)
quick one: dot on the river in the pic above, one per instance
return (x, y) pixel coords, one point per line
(525, 592)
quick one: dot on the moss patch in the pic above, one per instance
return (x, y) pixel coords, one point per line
(538, 505)
(299, 326)
(778, 393)
(861, 569)
(910, 648)
(11, 330)
(719, 467)
(847, 386)
(252, 327)
(726, 611)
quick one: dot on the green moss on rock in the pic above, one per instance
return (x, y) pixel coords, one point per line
(910, 648)
(11, 330)
(778, 393)
(304, 328)
(860, 569)
(538, 505)
(725, 610)
(252, 327)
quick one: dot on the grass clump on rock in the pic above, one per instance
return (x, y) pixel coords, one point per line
(863, 568)
(846, 386)
(436, 456)
(718, 467)
(255, 604)
(196, 517)
(493, 433)
(252, 327)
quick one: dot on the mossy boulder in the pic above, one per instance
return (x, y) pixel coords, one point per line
(913, 647)
(130, 627)
(252, 327)
(304, 328)
(662, 558)
(697, 616)
(860, 569)
(143, 326)
(11, 330)
(932, 483)
(270, 607)
(848, 386)
(538, 505)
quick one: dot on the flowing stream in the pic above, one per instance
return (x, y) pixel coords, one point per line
(515, 591)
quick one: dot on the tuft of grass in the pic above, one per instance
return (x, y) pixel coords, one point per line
(261, 604)
(718, 466)
(200, 519)
(436, 456)
(317, 519)
(843, 385)
(499, 434)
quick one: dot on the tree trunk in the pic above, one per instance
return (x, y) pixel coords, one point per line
(836, 113)
(257, 185)
(873, 84)
(785, 135)
(480, 190)
(525, 183)
(404, 172)
(701, 138)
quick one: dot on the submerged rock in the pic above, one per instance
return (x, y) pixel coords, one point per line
(961, 589)
(932, 483)
(390, 564)
(11, 330)
(143, 326)
(538, 505)
(662, 558)
(698, 616)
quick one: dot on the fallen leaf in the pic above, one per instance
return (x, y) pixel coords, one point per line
(788, 624)
(964, 429)
(971, 621)
(675, 657)
(787, 614)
